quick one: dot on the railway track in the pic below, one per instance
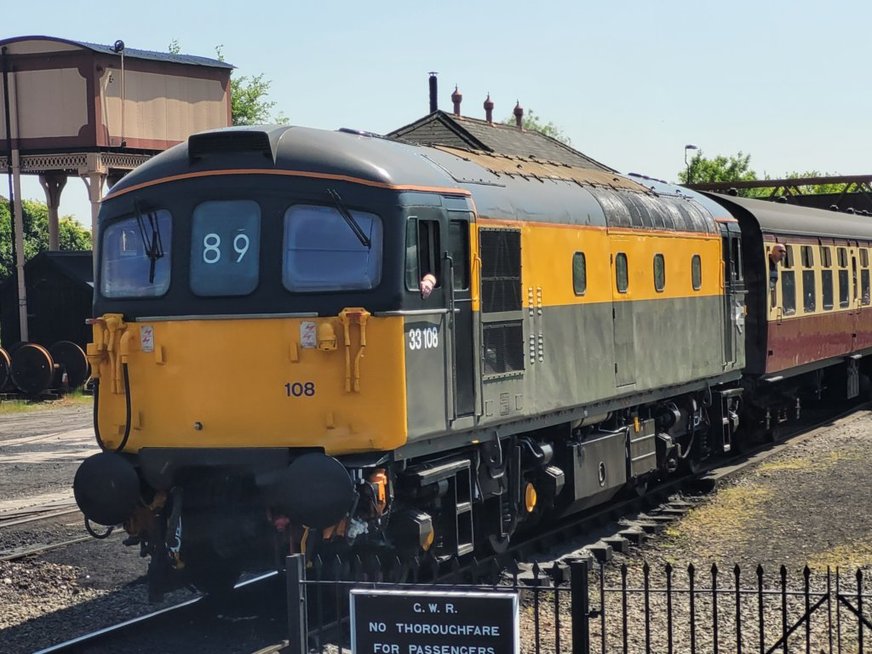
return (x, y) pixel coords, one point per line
(30, 515)
(264, 592)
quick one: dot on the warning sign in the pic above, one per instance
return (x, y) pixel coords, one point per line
(429, 622)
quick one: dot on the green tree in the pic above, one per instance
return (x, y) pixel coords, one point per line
(534, 123)
(71, 235)
(700, 169)
(813, 188)
(249, 103)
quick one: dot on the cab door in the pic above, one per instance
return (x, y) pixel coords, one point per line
(460, 314)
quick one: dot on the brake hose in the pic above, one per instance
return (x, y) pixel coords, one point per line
(127, 409)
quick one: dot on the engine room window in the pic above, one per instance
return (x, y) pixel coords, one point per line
(422, 252)
(622, 280)
(503, 344)
(696, 272)
(325, 250)
(500, 270)
(135, 256)
(579, 273)
(225, 248)
(659, 273)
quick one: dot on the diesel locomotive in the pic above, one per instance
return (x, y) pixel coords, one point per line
(271, 379)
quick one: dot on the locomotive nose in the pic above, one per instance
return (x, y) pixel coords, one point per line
(106, 488)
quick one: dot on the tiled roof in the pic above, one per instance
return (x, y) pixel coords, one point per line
(441, 128)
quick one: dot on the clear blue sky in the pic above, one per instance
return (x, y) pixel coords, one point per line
(631, 83)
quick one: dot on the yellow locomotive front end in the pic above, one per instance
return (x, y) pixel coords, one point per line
(333, 383)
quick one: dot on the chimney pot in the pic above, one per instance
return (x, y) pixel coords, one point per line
(434, 105)
(456, 98)
(489, 110)
(519, 115)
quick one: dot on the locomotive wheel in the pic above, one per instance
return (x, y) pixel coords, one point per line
(72, 361)
(5, 364)
(32, 368)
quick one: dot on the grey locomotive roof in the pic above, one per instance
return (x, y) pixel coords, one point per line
(132, 53)
(441, 128)
(498, 191)
(781, 218)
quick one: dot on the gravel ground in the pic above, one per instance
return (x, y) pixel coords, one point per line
(807, 504)
(40, 450)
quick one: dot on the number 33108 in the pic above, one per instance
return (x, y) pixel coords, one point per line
(424, 339)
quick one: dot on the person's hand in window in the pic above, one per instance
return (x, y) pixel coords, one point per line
(428, 283)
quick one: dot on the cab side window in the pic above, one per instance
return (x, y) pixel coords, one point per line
(422, 252)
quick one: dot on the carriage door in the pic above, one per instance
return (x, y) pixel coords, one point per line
(734, 294)
(622, 314)
(460, 317)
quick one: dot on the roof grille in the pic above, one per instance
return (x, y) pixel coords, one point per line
(211, 143)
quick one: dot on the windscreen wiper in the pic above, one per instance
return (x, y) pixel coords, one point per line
(153, 245)
(352, 223)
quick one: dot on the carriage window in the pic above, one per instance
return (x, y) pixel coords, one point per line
(827, 289)
(788, 292)
(135, 256)
(807, 256)
(323, 252)
(659, 273)
(826, 257)
(736, 253)
(843, 257)
(809, 298)
(864, 287)
(843, 289)
(621, 274)
(864, 258)
(225, 248)
(787, 262)
(696, 272)
(579, 273)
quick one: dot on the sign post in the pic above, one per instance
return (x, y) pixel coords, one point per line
(432, 622)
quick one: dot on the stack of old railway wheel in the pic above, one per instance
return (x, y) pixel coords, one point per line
(34, 369)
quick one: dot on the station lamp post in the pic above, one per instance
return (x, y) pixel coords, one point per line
(687, 147)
